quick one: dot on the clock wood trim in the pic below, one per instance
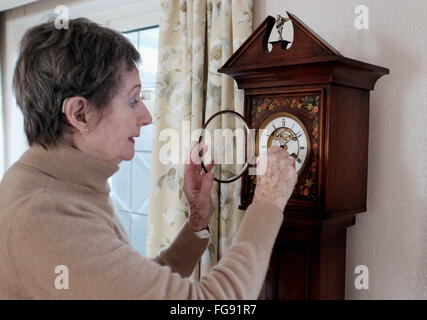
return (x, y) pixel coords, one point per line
(315, 74)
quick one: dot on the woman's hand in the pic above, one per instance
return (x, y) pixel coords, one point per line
(197, 188)
(277, 183)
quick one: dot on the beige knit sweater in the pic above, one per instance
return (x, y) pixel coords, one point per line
(55, 211)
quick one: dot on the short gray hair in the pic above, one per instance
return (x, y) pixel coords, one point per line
(53, 64)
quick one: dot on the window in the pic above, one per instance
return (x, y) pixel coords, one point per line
(130, 185)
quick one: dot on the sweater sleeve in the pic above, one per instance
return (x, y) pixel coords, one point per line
(99, 265)
(184, 252)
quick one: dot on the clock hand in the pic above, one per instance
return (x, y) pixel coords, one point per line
(288, 141)
(277, 137)
(294, 138)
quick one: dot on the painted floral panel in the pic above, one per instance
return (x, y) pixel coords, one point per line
(307, 108)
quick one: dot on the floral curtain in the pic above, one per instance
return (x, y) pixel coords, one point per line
(196, 38)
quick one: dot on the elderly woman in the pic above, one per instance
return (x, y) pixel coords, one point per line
(78, 90)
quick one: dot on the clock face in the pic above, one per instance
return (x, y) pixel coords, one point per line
(285, 130)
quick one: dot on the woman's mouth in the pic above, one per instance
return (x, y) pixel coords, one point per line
(132, 138)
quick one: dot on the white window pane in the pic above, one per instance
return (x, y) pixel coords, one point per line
(120, 187)
(148, 44)
(145, 140)
(133, 38)
(139, 231)
(141, 182)
(125, 220)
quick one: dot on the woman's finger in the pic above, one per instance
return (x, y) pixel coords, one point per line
(207, 183)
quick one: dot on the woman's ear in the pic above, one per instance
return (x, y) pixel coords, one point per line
(78, 112)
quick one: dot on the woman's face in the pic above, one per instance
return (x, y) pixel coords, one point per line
(112, 139)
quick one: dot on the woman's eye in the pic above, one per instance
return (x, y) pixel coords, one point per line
(133, 103)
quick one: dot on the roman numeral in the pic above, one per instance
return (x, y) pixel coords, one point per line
(283, 122)
(274, 126)
(299, 160)
(302, 148)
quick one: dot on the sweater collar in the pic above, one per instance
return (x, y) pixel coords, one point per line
(67, 163)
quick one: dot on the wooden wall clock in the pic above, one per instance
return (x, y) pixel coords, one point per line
(314, 102)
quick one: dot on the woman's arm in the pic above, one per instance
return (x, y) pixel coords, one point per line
(45, 234)
(183, 252)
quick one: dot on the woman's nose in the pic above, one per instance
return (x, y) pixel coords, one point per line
(145, 117)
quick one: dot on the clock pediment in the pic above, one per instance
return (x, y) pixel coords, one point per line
(305, 46)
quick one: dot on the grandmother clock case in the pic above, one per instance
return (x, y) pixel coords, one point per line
(315, 103)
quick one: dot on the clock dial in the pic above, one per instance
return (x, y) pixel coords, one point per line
(288, 132)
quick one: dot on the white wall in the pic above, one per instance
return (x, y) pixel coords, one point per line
(118, 14)
(391, 238)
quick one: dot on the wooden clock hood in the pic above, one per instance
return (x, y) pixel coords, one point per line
(253, 59)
